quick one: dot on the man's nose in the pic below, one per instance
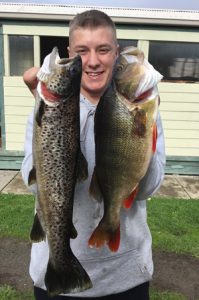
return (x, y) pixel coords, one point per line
(93, 59)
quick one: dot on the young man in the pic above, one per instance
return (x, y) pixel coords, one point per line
(126, 273)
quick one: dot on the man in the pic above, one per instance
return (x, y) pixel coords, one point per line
(126, 273)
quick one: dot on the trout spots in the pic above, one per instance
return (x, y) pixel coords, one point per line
(140, 120)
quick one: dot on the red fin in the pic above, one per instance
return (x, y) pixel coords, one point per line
(114, 241)
(155, 134)
(100, 237)
(127, 203)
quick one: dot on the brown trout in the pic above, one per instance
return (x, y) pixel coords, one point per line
(56, 146)
(125, 137)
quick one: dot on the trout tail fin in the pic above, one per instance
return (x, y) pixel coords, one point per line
(69, 279)
(102, 235)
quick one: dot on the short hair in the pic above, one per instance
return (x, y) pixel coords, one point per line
(91, 19)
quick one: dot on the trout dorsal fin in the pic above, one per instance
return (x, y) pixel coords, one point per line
(37, 233)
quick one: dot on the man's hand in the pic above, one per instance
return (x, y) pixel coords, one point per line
(30, 79)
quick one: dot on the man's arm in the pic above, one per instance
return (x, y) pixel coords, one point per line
(27, 162)
(155, 173)
(30, 79)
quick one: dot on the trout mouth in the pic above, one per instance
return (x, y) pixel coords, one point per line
(49, 95)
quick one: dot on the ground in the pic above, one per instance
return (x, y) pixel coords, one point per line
(176, 273)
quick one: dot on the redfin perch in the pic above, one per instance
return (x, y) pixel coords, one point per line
(125, 137)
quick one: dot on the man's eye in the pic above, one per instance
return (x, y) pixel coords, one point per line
(104, 50)
(81, 51)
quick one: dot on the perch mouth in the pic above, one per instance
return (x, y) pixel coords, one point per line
(143, 97)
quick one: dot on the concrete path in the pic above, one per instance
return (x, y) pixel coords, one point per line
(12, 182)
(177, 186)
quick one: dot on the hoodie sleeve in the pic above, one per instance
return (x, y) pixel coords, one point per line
(155, 173)
(27, 162)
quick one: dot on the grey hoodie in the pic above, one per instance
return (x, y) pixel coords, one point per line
(110, 272)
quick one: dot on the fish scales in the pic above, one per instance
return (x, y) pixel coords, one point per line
(58, 153)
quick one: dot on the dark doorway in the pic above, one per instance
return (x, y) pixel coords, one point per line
(47, 43)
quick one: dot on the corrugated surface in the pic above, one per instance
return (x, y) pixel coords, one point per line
(115, 12)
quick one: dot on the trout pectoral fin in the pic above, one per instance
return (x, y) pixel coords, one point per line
(73, 233)
(155, 134)
(127, 203)
(39, 113)
(82, 167)
(94, 188)
(37, 233)
(32, 176)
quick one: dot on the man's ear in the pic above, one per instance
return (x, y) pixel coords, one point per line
(117, 50)
(69, 53)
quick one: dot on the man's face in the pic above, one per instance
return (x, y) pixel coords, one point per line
(98, 50)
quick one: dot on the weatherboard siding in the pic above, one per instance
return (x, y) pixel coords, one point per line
(18, 103)
(180, 113)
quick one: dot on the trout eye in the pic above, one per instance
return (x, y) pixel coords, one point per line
(119, 68)
(72, 70)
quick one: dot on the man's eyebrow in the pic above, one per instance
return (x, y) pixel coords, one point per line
(99, 46)
(104, 45)
(80, 46)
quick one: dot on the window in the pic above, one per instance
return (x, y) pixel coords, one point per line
(47, 43)
(21, 54)
(126, 43)
(176, 61)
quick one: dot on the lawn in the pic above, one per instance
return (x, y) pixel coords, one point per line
(174, 224)
(16, 215)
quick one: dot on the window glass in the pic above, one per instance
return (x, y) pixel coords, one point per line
(47, 43)
(176, 61)
(21, 54)
(126, 43)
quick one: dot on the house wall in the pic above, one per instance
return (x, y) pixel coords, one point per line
(179, 101)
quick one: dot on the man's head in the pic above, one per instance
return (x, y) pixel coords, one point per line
(91, 19)
(92, 35)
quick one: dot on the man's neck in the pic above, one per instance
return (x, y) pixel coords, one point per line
(92, 99)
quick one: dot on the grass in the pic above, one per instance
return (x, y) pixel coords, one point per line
(174, 224)
(155, 295)
(16, 215)
(8, 293)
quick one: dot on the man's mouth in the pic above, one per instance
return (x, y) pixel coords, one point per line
(94, 74)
